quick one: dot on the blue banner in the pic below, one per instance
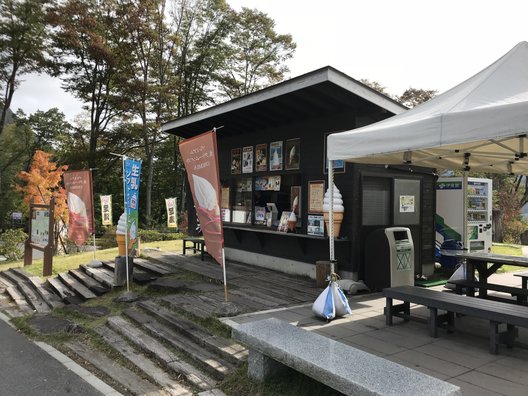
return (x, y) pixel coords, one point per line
(132, 174)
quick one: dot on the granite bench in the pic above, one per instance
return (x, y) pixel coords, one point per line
(498, 313)
(275, 345)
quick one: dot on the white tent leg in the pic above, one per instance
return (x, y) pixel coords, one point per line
(331, 215)
(464, 211)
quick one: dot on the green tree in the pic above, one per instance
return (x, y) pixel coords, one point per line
(414, 96)
(23, 44)
(258, 54)
(91, 51)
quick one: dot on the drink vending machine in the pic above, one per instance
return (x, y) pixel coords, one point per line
(449, 217)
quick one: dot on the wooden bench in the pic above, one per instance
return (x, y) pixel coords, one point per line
(520, 294)
(198, 246)
(496, 312)
(524, 279)
(274, 345)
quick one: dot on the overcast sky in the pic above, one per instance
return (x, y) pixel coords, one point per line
(400, 44)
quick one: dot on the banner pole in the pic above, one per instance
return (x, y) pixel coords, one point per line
(224, 271)
(126, 222)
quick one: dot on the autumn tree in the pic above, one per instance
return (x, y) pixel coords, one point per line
(257, 54)
(43, 181)
(23, 46)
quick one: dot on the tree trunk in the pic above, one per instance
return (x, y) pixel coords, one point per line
(497, 226)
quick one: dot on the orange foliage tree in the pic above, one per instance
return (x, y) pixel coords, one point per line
(42, 182)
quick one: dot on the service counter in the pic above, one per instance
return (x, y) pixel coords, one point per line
(263, 242)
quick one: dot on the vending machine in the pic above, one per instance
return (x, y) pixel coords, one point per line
(449, 217)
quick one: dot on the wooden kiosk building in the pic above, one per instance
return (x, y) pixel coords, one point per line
(272, 150)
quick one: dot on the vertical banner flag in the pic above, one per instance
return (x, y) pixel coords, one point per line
(106, 209)
(172, 221)
(132, 173)
(199, 155)
(78, 185)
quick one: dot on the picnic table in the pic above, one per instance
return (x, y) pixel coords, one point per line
(487, 264)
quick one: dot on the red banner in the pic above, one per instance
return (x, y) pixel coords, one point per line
(78, 185)
(199, 155)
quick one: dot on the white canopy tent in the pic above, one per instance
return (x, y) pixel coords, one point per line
(479, 125)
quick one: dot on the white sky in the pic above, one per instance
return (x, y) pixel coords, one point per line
(398, 43)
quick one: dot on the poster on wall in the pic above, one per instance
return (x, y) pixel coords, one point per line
(293, 154)
(315, 225)
(406, 203)
(316, 190)
(236, 159)
(268, 183)
(275, 156)
(261, 157)
(247, 159)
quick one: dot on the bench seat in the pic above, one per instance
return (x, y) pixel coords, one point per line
(275, 344)
(519, 293)
(496, 312)
(197, 245)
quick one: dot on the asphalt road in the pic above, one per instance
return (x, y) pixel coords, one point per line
(25, 369)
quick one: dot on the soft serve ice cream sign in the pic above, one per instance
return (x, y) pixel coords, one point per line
(200, 159)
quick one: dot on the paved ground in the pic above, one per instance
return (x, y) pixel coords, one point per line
(27, 369)
(461, 358)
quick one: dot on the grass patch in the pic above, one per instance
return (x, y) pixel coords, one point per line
(291, 383)
(70, 261)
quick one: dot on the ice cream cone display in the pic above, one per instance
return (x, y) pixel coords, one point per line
(209, 215)
(121, 235)
(339, 210)
(292, 222)
(78, 225)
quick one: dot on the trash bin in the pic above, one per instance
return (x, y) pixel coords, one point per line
(448, 249)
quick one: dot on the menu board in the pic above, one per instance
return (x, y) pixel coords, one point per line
(315, 196)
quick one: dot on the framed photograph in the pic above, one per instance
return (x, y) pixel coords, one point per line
(236, 161)
(295, 203)
(339, 165)
(293, 154)
(283, 223)
(275, 156)
(261, 157)
(247, 159)
(268, 183)
(315, 225)
(316, 191)
(260, 215)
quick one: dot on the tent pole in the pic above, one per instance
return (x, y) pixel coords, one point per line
(331, 215)
(464, 209)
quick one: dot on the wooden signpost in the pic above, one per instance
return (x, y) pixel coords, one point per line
(41, 227)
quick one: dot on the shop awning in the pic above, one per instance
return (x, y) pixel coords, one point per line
(479, 125)
(315, 94)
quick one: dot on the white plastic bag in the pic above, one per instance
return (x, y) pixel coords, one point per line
(331, 303)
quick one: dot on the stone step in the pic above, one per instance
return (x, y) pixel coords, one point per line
(95, 286)
(19, 299)
(32, 297)
(213, 364)
(151, 370)
(147, 266)
(49, 297)
(99, 275)
(125, 377)
(22, 274)
(166, 357)
(139, 276)
(76, 286)
(226, 348)
(61, 290)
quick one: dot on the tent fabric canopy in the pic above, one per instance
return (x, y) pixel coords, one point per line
(479, 125)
